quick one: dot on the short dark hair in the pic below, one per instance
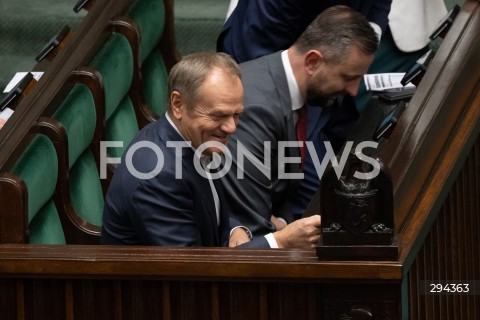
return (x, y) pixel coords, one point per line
(191, 71)
(335, 30)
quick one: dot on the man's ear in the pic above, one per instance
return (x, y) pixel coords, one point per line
(313, 59)
(176, 104)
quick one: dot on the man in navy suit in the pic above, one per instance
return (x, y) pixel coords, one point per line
(328, 59)
(163, 192)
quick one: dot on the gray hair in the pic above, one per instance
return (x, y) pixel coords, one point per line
(190, 72)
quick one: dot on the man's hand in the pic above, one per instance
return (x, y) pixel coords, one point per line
(279, 223)
(302, 233)
(237, 237)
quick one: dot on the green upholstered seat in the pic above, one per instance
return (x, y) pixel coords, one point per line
(155, 82)
(114, 62)
(149, 16)
(121, 126)
(38, 167)
(78, 116)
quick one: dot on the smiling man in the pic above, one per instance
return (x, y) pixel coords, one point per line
(162, 192)
(329, 59)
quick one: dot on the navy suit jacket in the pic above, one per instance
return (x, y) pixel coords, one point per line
(260, 27)
(163, 210)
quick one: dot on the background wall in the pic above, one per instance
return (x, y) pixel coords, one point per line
(26, 26)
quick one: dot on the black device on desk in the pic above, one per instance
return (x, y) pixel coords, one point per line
(404, 93)
(416, 72)
(445, 23)
(390, 120)
(53, 43)
(16, 91)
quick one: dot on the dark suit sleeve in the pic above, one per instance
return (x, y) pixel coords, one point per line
(257, 242)
(250, 198)
(164, 215)
(378, 13)
(257, 28)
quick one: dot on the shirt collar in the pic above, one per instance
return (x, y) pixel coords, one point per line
(204, 160)
(173, 124)
(295, 97)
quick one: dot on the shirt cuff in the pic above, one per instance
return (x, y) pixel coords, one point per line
(249, 233)
(271, 241)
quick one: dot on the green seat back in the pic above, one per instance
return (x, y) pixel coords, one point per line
(149, 15)
(155, 82)
(121, 127)
(77, 114)
(114, 61)
(46, 227)
(86, 191)
(38, 167)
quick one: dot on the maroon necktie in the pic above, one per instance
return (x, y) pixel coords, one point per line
(301, 128)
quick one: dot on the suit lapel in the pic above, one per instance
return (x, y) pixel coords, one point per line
(209, 216)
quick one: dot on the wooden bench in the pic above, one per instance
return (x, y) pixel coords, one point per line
(87, 96)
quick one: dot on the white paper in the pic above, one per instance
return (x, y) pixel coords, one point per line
(18, 77)
(6, 113)
(384, 81)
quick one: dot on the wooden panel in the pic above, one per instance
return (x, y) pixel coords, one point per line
(44, 297)
(85, 282)
(451, 251)
(235, 296)
(197, 300)
(354, 301)
(431, 139)
(13, 224)
(145, 297)
(9, 299)
(287, 299)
